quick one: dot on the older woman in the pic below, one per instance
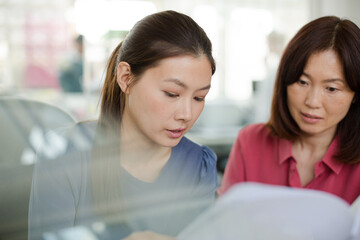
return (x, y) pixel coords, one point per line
(313, 136)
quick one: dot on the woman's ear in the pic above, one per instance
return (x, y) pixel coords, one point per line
(354, 98)
(123, 76)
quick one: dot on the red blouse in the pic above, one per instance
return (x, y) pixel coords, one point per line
(256, 156)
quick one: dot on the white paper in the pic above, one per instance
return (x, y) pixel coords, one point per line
(355, 230)
(258, 211)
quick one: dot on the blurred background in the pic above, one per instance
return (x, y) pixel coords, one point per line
(54, 52)
(42, 56)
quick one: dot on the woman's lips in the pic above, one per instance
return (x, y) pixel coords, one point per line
(309, 118)
(175, 133)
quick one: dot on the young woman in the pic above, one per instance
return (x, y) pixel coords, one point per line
(136, 171)
(312, 139)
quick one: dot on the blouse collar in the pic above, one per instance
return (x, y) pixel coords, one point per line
(285, 153)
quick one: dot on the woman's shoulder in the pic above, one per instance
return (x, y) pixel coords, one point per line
(256, 129)
(65, 158)
(80, 135)
(198, 162)
(197, 151)
(65, 147)
(75, 138)
(255, 132)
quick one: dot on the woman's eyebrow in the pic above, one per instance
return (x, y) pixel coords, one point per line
(205, 88)
(325, 80)
(183, 85)
(177, 82)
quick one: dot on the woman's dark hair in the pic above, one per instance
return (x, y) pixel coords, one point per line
(155, 37)
(152, 39)
(325, 33)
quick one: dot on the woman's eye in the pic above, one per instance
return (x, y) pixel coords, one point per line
(331, 89)
(199, 99)
(172, 95)
(302, 82)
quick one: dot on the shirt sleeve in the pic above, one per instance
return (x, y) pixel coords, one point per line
(234, 171)
(208, 174)
(203, 191)
(57, 179)
(52, 203)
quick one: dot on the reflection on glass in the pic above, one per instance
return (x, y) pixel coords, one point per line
(132, 170)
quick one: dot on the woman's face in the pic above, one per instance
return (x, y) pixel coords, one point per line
(167, 99)
(321, 98)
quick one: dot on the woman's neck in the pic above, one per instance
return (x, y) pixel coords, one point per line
(141, 157)
(140, 150)
(308, 150)
(314, 143)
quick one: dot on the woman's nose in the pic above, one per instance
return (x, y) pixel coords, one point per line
(184, 111)
(313, 98)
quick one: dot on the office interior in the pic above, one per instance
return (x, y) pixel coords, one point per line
(38, 41)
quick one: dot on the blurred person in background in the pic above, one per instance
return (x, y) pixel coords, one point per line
(71, 69)
(313, 136)
(263, 95)
(133, 169)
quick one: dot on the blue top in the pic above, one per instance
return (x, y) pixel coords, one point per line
(61, 195)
